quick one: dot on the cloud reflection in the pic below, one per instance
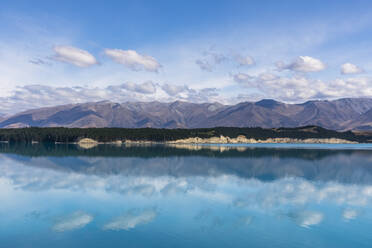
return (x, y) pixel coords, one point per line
(307, 218)
(131, 219)
(244, 193)
(349, 214)
(240, 193)
(76, 220)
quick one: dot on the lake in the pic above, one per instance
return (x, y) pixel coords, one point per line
(185, 196)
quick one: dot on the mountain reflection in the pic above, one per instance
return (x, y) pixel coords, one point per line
(111, 191)
(265, 164)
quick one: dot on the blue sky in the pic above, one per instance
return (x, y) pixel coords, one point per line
(226, 51)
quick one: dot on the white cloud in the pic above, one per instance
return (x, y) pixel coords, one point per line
(131, 219)
(73, 55)
(244, 60)
(268, 76)
(349, 68)
(147, 87)
(36, 96)
(243, 78)
(281, 88)
(299, 88)
(178, 57)
(302, 64)
(172, 89)
(74, 221)
(133, 60)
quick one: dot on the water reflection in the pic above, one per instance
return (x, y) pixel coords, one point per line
(131, 219)
(346, 166)
(173, 196)
(76, 220)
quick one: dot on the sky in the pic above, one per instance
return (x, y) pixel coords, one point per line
(64, 52)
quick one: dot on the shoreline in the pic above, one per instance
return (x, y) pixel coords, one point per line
(213, 140)
(218, 135)
(241, 139)
(89, 143)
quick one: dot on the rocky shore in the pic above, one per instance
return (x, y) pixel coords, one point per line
(244, 140)
(241, 139)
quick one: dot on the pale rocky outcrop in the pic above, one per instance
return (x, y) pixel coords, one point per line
(197, 147)
(90, 143)
(87, 143)
(139, 142)
(241, 139)
(116, 143)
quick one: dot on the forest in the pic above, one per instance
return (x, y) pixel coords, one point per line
(71, 135)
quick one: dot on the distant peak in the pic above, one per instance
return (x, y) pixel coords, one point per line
(267, 103)
(179, 102)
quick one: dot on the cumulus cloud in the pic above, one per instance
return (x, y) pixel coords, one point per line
(243, 78)
(183, 92)
(76, 220)
(172, 89)
(147, 87)
(133, 60)
(300, 87)
(302, 64)
(36, 96)
(281, 88)
(73, 55)
(131, 219)
(349, 68)
(296, 88)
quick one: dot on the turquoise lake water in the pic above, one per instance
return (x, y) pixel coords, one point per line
(186, 196)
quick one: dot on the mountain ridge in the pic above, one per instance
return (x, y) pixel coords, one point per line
(340, 114)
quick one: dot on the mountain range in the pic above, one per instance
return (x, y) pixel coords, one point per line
(341, 114)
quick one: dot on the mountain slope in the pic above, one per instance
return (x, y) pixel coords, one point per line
(108, 114)
(363, 122)
(342, 114)
(249, 115)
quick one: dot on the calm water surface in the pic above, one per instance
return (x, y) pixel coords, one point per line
(185, 196)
